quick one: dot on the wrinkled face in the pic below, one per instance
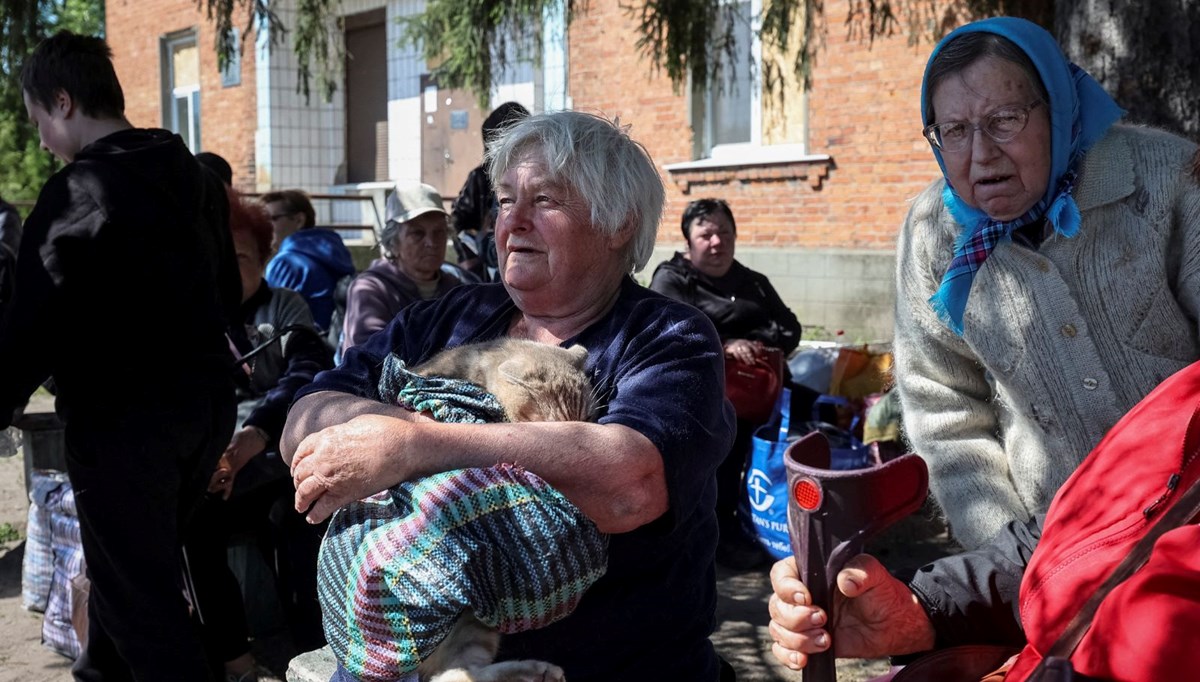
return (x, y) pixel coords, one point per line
(1004, 180)
(420, 246)
(250, 263)
(711, 243)
(545, 239)
(52, 126)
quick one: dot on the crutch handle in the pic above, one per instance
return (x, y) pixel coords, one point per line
(832, 514)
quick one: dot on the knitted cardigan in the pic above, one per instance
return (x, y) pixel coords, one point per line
(1059, 342)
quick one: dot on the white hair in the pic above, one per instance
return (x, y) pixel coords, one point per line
(596, 157)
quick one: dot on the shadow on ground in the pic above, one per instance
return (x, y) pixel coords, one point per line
(741, 633)
(741, 636)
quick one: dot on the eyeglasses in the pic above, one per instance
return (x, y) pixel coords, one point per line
(1001, 126)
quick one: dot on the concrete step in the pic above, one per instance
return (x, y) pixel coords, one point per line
(312, 666)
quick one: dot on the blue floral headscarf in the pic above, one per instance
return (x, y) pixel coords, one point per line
(1080, 113)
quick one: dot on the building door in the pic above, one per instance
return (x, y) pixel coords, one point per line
(451, 143)
(366, 97)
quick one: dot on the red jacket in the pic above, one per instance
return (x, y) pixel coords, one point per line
(1148, 628)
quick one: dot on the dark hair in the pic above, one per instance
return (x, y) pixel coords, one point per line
(294, 201)
(250, 218)
(502, 116)
(80, 66)
(218, 165)
(701, 208)
(969, 48)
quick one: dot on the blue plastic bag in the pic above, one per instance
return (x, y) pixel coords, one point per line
(766, 477)
(846, 450)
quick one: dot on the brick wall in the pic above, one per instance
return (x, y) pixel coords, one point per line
(227, 115)
(606, 75)
(824, 232)
(863, 111)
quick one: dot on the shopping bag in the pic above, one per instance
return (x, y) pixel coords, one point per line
(754, 387)
(766, 477)
(847, 450)
(811, 366)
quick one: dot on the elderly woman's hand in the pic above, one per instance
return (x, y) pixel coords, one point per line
(877, 615)
(347, 462)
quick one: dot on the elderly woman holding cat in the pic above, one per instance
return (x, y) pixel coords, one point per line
(579, 209)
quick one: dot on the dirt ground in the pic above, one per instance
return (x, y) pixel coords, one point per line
(22, 656)
(741, 635)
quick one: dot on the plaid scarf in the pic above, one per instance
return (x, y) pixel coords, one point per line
(974, 246)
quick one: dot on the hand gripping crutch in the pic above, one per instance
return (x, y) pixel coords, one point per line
(831, 515)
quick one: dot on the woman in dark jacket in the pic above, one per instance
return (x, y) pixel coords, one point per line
(251, 482)
(748, 315)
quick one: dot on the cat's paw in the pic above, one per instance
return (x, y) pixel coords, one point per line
(520, 671)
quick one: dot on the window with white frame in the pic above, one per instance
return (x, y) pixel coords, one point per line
(722, 110)
(181, 87)
(733, 119)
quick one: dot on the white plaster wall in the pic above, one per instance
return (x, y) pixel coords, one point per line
(302, 143)
(828, 289)
(405, 66)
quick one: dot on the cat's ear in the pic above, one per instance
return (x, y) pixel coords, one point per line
(578, 355)
(513, 369)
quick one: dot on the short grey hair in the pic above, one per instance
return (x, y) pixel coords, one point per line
(969, 48)
(596, 157)
(392, 230)
(387, 236)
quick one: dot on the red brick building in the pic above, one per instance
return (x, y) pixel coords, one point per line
(819, 181)
(155, 39)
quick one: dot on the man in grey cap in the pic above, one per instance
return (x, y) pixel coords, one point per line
(413, 268)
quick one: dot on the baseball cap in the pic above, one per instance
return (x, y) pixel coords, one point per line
(411, 200)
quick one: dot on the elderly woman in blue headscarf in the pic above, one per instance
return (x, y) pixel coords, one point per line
(1046, 284)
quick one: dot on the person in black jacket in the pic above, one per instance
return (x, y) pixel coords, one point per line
(474, 210)
(748, 314)
(125, 282)
(10, 244)
(252, 487)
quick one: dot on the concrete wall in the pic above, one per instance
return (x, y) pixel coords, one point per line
(829, 290)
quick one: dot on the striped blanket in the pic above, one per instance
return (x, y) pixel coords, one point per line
(398, 568)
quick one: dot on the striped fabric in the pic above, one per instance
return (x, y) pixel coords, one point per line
(398, 568)
(37, 566)
(55, 496)
(448, 400)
